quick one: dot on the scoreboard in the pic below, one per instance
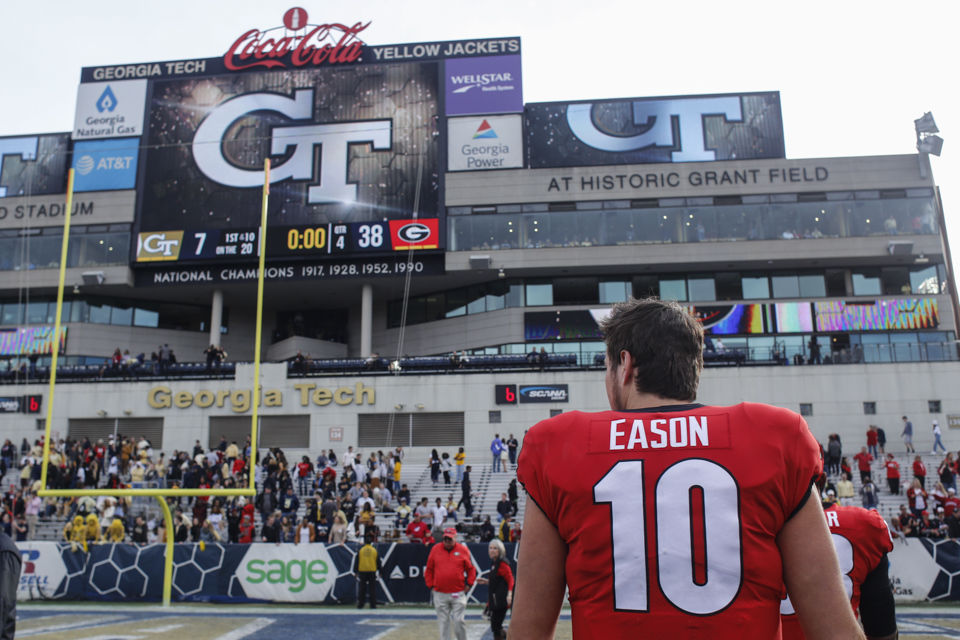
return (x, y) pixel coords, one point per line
(307, 242)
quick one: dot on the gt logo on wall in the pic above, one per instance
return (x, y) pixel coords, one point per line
(655, 130)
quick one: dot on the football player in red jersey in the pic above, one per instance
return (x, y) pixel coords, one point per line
(667, 518)
(862, 541)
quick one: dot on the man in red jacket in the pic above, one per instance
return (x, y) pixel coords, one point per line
(893, 474)
(449, 574)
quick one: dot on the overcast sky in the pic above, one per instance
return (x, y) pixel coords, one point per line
(852, 75)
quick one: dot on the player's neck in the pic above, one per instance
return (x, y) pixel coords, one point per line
(638, 400)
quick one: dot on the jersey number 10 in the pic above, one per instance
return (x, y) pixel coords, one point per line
(623, 489)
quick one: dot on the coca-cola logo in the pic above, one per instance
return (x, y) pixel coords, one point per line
(297, 43)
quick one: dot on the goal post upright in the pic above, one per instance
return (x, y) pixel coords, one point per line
(161, 495)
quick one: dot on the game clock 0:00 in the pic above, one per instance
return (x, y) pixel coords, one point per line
(334, 238)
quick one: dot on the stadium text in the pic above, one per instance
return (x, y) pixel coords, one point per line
(240, 400)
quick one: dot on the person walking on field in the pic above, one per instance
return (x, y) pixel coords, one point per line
(449, 574)
(500, 591)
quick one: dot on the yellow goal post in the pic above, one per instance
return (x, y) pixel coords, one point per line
(159, 494)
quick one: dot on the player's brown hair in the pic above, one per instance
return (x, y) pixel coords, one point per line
(665, 341)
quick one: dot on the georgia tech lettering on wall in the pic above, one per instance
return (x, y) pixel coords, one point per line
(333, 140)
(657, 115)
(240, 400)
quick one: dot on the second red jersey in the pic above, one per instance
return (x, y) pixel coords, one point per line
(671, 514)
(861, 538)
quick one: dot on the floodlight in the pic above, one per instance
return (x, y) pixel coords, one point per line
(926, 124)
(930, 144)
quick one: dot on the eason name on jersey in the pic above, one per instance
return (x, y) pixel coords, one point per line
(660, 433)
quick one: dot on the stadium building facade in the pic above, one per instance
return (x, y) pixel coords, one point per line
(419, 208)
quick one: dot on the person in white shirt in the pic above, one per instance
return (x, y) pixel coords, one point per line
(439, 515)
(937, 442)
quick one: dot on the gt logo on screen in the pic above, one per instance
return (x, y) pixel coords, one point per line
(415, 234)
(296, 142)
(158, 246)
(656, 117)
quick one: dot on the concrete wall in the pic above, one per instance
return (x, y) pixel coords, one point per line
(837, 393)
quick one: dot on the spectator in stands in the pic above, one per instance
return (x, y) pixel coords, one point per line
(920, 471)
(513, 495)
(10, 567)
(907, 435)
(952, 520)
(948, 472)
(338, 532)
(445, 467)
(458, 458)
(138, 535)
(465, 494)
(952, 503)
(512, 445)
(417, 530)
(504, 508)
(434, 463)
(917, 498)
(893, 474)
(246, 529)
(496, 448)
(403, 514)
(845, 489)
(505, 531)
(872, 438)
(863, 463)
(937, 434)
(451, 507)
(868, 493)
(931, 527)
(270, 531)
(881, 434)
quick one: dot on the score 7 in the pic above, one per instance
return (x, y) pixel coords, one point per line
(201, 238)
(623, 489)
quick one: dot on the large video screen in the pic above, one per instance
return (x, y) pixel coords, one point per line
(351, 148)
(654, 130)
(878, 315)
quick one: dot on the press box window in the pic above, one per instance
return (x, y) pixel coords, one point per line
(494, 417)
(555, 412)
(869, 408)
(806, 408)
(933, 406)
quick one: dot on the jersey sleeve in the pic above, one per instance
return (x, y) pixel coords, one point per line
(804, 451)
(532, 469)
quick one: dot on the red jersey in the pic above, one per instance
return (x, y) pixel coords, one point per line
(950, 505)
(861, 538)
(871, 438)
(863, 461)
(417, 531)
(919, 469)
(670, 515)
(893, 469)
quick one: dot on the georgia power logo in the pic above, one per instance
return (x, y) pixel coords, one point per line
(485, 132)
(287, 573)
